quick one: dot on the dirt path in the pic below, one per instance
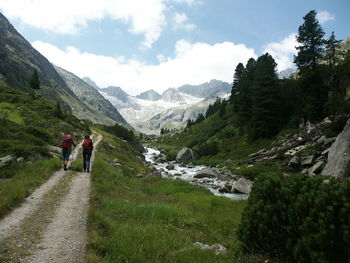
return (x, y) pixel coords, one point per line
(50, 226)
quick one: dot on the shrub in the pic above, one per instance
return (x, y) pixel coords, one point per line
(299, 218)
(208, 148)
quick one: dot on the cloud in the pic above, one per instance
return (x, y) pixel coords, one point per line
(283, 52)
(324, 16)
(70, 17)
(180, 22)
(194, 63)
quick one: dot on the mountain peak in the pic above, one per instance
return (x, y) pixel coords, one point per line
(149, 95)
(91, 83)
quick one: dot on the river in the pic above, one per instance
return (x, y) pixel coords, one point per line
(187, 173)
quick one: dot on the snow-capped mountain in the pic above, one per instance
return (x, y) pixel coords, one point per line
(150, 111)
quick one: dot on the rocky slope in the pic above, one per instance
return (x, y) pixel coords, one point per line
(104, 111)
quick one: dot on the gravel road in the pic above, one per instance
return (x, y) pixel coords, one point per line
(55, 233)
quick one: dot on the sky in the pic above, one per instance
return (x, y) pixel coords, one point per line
(140, 45)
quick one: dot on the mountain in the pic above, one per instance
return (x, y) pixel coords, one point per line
(172, 110)
(214, 88)
(284, 74)
(104, 111)
(91, 82)
(18, 60)
(149, 95)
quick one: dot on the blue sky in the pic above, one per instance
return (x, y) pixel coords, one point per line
(157, 44)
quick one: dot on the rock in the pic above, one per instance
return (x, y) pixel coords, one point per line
(4, 161)
(294, 162)
(316, 168)
(325, 152)
(186, 154)
(307, 161)
(338, 164)
(170, 167)
(207, 172)
(229, 161)
(19, 159)
(55, 149)
(329, 140)
(321, 139)
(243, 186)
(161, 159)
(154, 174)
(140, 175)
(217, 248)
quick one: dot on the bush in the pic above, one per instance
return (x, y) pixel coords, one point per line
(299, 218)
(208, 148)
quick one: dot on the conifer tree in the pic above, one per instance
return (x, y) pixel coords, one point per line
(34, 82)
(243, 102)
(265, 114)
(236, 80)
(310, 36)
(331, 46)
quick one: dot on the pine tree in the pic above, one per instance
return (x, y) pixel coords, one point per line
(34, 82)
(331, 47)
(243, 103)
(265, 114)
(236, 80)
(310, 36)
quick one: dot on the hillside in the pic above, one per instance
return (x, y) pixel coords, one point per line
(18, 62)
(102, 110)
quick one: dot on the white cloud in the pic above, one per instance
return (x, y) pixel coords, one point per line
(283, 52)
(180, 22)
(69, 17)
(194, 63)
(324, 16)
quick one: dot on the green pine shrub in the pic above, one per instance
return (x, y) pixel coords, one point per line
(298, 218)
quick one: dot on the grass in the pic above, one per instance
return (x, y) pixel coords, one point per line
(25, 178)
(155, 219)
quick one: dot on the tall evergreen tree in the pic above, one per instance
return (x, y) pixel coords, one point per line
(236, 80)
(331, 47)
(265, 114)
(34, 82)
(243, 102)
(310, 36)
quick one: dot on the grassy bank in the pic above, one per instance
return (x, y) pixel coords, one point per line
(25, 178)
(155, 219)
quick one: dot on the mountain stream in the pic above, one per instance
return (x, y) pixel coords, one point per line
(187, 173)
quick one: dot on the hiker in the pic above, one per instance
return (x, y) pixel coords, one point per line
(66, 146)
(88, 146)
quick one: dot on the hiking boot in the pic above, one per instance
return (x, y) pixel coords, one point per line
(87, 170)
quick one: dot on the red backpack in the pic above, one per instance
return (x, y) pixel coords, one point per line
(87, 144)
(67, 142)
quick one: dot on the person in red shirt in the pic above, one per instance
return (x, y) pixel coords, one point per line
(88, 146)
(66, 146)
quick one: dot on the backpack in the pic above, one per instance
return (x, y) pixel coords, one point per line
(87, 144)
(67, 142)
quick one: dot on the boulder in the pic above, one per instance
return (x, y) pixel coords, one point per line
(243, 186)
(338, 164)
(316, 168)
(154, 174)
(170, 167)
(186, 154)
(217, 248)
(294, 162)
(4, 161)
(307, 160)
(207, 172)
